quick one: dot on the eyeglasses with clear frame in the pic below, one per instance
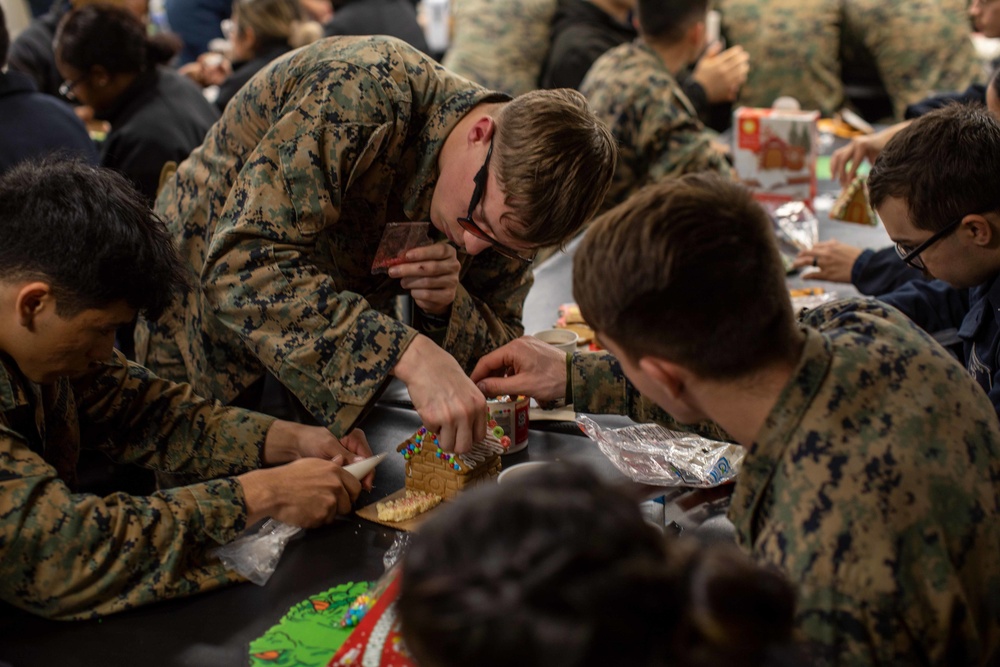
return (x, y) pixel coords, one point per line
(911, 255)
(67, 86)
(470, 226)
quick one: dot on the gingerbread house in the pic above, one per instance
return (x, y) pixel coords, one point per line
(853, 206)
(431, 470)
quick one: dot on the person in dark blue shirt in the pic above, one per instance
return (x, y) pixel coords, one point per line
(34, 124)
(876, 272)
(935, 189)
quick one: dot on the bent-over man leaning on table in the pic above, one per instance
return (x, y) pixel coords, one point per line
(81, 253)
(872, 458)
(279, 214)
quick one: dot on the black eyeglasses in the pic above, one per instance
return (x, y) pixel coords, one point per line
(911, 255)
(66, 87)
(477, 195)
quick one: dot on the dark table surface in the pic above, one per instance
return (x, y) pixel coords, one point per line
(215, 628)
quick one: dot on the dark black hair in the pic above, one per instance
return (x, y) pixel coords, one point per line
(943, 165)
(558, 568)
(88, 233)
(995, 82)
(666, 21)
(113, 38)
(4, 39)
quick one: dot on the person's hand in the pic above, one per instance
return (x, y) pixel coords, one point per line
(210, 69)
(832, 259)
(722, 73)
(307, 493)
(318, 10)
(447, 401)
(845, 161)
(288, 441)
(524, 367)
(430, 273)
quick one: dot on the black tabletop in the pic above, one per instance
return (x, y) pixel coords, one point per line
(214, 629)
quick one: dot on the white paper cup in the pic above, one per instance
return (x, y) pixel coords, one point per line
(561, 339)
(507, 474)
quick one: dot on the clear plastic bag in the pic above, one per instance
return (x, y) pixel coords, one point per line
(651, 454)
(795, 226)
(395, 552)
(255, 555)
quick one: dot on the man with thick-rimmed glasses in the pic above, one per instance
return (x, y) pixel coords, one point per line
(280, 212)
(935, 188)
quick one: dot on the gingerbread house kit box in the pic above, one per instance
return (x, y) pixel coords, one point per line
(774, 153)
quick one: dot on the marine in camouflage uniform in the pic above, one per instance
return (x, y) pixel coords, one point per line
(127, 550)
(919, 48)
(500, 44)
(279, 214)
(657, 128)
(874, 484)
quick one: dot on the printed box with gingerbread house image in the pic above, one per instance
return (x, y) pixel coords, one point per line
(774, 153)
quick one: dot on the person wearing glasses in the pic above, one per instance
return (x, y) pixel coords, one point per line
(108, 63)
(871, 457)
(280, 214)
(934, 187)
(876, 272)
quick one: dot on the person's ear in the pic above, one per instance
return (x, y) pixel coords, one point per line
(33, 299)
(481, 132)
(978, 230)
(696, 36)
(668, 375)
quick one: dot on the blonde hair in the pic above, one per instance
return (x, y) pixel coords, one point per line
(276, 21)
(554, 159)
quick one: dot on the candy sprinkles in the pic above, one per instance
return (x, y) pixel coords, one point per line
(495, 442)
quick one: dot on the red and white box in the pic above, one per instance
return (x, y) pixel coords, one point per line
(774, 153)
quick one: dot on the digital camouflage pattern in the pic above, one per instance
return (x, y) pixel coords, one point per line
(68, 555)
(278, 216)
(500, 44)
(656, 127)
(874, 484)
(919, 48)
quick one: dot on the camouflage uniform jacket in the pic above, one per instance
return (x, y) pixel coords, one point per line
(279, 215)
(874, 484)
(500, 44)
(808, 48)
(655, 124)
(69, 555)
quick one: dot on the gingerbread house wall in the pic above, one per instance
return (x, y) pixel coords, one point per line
(426, 472)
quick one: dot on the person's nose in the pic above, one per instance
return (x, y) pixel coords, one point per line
(473, 244)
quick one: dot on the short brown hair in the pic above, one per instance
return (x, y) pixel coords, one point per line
(688, 270)
(554, 159)
(943, 166)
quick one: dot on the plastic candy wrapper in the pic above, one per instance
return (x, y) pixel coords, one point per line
(255, 555)
(651, 454)
(397, 238)
(395, 552)
(795, 226)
